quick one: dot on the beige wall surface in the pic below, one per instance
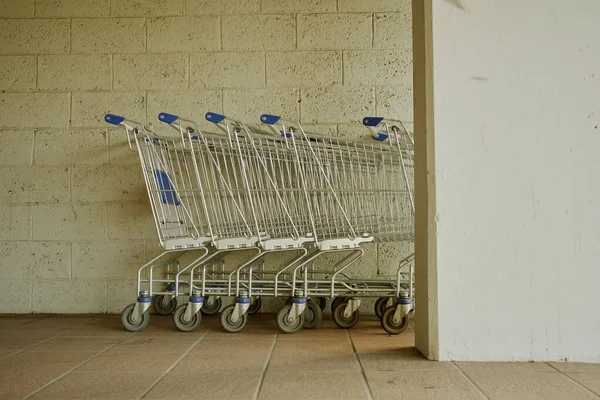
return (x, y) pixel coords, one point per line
(75, 219)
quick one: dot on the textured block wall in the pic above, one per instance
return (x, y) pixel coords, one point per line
(75, 222)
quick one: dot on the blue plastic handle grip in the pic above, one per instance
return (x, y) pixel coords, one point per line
(114, 119)
(269, 119)
(168, 118)
(214, 117)
(372, 121)
(382, 137)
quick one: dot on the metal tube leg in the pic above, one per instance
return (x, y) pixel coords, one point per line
(242, 304)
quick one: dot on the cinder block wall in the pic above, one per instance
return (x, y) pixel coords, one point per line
(75, 222)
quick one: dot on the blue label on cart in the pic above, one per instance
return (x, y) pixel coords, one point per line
(243, 300)
(167, 191)
(168, 118)
(382, 137)
(298, 300)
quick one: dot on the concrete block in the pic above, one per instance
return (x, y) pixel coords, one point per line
(336, 104)
(15, 221)
(31, 36)
(227, 70)
(16, 147)
(74, 72)
(185, 34)
(304, 68)
(151, 71)
(118, 149)
(191, 104)
(390, 255)
(292, 6)
(24, 110)
(194, 7)
(73, 296)
(393, 30)
(26, 184)
(16, 9)
(17, 73)
(15, 296)
(72, 8)
(334, 31)
(69, 222)
(395, 102)
(378, 67)
(95, 183)
(373, 5)
(147, 8)
(27, 260)
(354, 131)
(131, 221)
(121, 293)
(62, 147)
(89, 108)
(321, 129)
(107, 259)
(108, 35)
(258, 32)
(248, 105)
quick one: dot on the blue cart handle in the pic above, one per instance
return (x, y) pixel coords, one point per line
(372, 121)
(214, 117)
(269, 119)
(114, 119)
(168, 118)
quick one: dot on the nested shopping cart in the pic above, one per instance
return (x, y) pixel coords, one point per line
(283, 190)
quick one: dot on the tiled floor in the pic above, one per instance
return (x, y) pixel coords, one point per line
(93, 357)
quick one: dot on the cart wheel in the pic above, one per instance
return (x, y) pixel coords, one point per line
(312, 315)
(134, 326)
(228, 325)
(322, 302)
(340, 320)
(388, 324)
(182, 324)
(380, 306)
(211, 309)
(286, 326)
(160, 308)
(336, 301)
(255, 306)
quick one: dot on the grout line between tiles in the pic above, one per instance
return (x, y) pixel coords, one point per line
(362, 371)
(572, 380)
(73, 369)
(185, 353)
(28, 347)
(264, 371)
(468, 378)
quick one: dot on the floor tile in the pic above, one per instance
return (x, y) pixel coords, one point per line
(117, 361)
(24, 373)
(99, 385)
(305, 344)
(576, 367)
(376, 342)
(156, 344)
(76, 343)
(225, 346)
(198, 386)
(300, 385)
(203, 363)
(590, 381)
(400, 359)
(319, 333)
(426, 384)
(314, 361)
(15, 343)
(526, 381)
(248, 333)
